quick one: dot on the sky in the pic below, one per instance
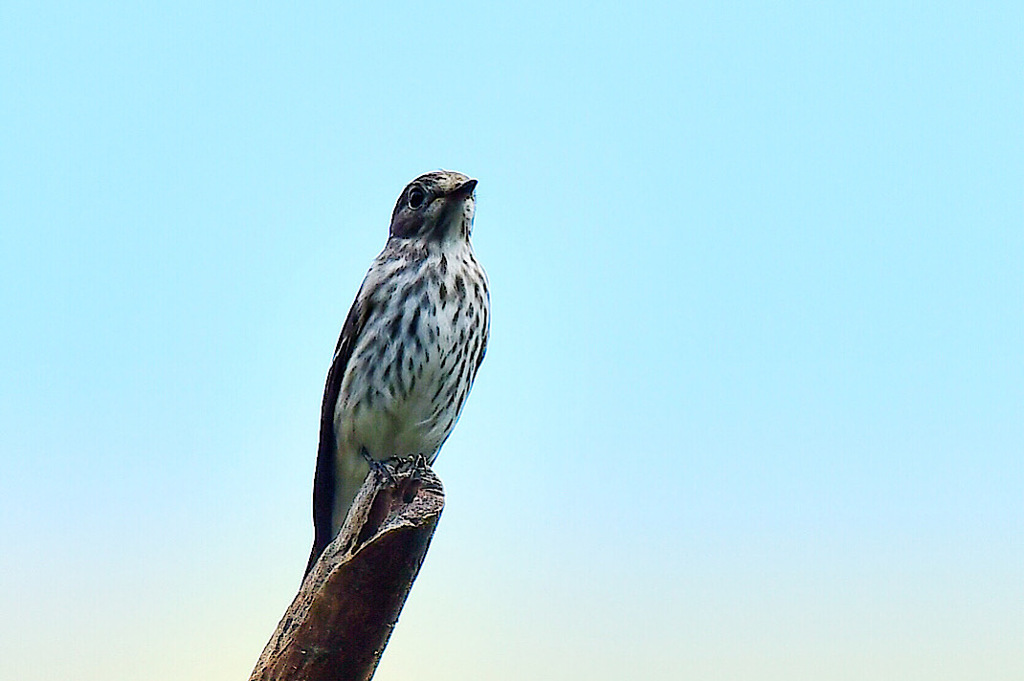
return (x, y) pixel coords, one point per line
(753, 403)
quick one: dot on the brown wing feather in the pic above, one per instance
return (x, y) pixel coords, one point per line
(323, 481)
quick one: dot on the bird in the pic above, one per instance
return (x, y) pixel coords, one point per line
(409, 349)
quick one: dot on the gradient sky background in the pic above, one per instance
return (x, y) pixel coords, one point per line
(753, 406)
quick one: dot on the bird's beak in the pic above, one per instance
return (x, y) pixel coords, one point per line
(463, 191)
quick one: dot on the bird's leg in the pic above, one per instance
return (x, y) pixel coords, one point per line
(381, 468)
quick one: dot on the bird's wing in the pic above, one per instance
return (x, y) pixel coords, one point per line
(324, 482)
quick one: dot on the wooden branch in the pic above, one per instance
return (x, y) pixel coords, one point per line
(347, 606)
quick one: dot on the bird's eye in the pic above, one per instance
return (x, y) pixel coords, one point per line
(416, 197)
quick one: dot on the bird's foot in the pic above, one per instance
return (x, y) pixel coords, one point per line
(415, 466)
(381, 468)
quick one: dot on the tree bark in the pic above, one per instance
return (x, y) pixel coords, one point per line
(348, 604)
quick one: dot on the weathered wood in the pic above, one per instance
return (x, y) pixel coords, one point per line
(347, 606)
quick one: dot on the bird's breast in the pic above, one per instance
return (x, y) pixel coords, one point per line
(416, 358)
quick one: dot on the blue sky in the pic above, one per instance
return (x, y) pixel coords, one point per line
(753, 405)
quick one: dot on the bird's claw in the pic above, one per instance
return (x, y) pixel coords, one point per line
(381, 468)
(388, 469)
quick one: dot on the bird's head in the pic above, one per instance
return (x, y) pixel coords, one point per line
(437, 206)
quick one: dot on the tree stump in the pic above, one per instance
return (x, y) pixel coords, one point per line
(348, 604)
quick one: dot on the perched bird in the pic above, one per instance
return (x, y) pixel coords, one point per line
(409, 349)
